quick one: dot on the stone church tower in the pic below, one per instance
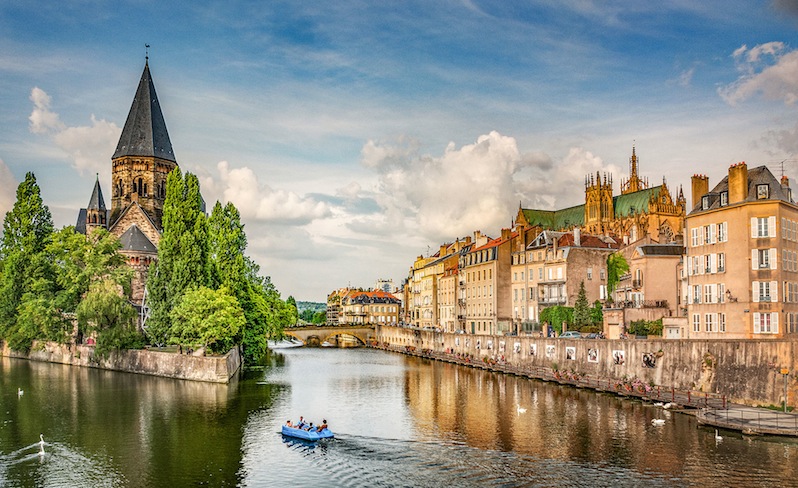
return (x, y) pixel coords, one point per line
(142, 161)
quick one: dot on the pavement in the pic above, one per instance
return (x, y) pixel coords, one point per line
(750, 420)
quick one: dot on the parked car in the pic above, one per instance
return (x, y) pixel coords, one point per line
(571, 334)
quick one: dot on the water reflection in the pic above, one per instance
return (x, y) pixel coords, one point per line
(399, 421)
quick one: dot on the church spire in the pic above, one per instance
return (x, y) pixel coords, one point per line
(96, 202)
(145, 131)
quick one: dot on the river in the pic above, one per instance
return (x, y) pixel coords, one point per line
(400, 421)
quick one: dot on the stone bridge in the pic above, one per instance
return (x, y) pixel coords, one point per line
(314, 335)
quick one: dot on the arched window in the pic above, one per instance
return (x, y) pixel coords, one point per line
(140, 187)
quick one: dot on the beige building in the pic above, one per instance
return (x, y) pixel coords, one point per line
(742, 257)
(559, 262)
(369, 308)
(485, 271)
(447, 297)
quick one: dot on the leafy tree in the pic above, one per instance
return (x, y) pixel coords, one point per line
(81, 260)
(105, 308)
(27, 227)
(182, 252)
(597, 313)
(204, 317)
(26, 231)
(556, 315)
(581, 308)
(616, 267)
(319, 317)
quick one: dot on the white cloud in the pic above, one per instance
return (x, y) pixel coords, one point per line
(768, 70)
(42, 120)
(8, 189)
(88, 147)
(475, 187)
(259, 201)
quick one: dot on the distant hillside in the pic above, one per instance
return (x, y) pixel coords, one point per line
(312, 306)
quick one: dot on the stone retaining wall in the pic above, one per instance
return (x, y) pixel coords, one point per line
(746, 372)
(216, 369)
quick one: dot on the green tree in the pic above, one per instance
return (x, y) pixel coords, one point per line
(556, 315)
(582, 308)
(207, 318)
(26, 231)
(182, 252)
(319, 317)
(616, 267)
(597, 313)
(105, 308)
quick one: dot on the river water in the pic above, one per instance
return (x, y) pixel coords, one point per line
(400, 421)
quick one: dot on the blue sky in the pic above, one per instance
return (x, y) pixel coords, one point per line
(355, 136)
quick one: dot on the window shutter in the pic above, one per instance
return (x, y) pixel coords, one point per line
(712, 238)
(753, 227)
(774, 291)
(771, 226)
(774, 322)
(773, 257)
(714, 293)
(689, 295)
(754, 259)
(689, 265)
(756, 323)
(713, 263)
(755, 291)
(725, 231)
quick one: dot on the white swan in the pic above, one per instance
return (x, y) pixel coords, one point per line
(718, 438)
(657, 421)
(20, 392)
(41, 444)
(658, 404)
(669, 405)
(519, 409)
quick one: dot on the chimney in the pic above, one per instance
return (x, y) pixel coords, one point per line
(785, 186)
(738, 182)
(442, 252)
(506, 234)
(577, 237)
(700, 187)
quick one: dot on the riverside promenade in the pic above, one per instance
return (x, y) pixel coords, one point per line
(710, 409)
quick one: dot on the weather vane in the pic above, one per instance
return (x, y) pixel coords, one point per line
(146, 51)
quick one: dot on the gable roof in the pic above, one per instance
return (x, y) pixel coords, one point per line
(126, 210)
(759, 175)
(135, 240)
(145, 131)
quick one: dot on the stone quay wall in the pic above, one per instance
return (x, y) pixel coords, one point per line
(213, 369)
(743, 371)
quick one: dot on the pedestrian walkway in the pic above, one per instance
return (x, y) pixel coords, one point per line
(750, 420)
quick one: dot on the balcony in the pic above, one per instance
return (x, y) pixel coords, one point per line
(552, 300)
(637, 284)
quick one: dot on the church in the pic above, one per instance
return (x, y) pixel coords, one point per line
(140, 165)
(638, 212)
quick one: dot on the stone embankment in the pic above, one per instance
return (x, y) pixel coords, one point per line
(710, 375)
(213, 369)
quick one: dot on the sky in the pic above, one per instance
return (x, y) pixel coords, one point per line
(356, 136)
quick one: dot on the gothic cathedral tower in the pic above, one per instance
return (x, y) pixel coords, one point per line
(599, 211)
(143, 157)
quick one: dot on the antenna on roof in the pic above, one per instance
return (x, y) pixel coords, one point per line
(146, 52)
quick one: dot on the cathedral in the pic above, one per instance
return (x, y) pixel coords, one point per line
(638, 212)
(140, 165)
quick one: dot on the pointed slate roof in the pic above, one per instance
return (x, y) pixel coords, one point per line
(135, 240)
(96, 202)
(145, 131)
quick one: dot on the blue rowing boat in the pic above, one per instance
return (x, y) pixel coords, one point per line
(308, 435)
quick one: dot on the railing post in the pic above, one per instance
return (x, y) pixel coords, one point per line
(689, 400)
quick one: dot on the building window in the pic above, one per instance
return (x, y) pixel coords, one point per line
(696, 322)
(764, 291)
(763, 258)
(709, 293)
(765, 323)
(762, 192)
(721, 292)
(705, 202)
(724, 198)
(589, 274)
(762, 227)
(722, 232)
(722, 322)
(709, 322)
(695, 236)
(696, 293)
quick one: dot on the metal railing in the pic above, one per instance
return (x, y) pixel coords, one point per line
(750, 420)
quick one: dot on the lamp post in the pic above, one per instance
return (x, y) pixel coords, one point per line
(785, 372)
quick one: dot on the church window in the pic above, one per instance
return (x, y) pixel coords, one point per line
(145, 189)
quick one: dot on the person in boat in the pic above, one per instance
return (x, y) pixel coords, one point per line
(288, 423)
(301, 422)
(323, 425)
(309, 428)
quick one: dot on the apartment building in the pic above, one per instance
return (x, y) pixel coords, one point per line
(485, 272)
(369, 308)
(742, 257)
